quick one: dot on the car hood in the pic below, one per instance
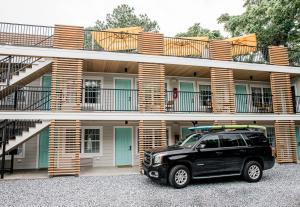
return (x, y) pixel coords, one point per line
(165, 149)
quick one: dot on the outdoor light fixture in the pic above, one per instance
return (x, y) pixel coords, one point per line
(195, 74)
(126, 122)
(125, 69)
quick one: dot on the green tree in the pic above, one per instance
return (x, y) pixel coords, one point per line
(124, 16)
(275, 22)
(197, 31)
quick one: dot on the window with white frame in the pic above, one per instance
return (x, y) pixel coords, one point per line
(92, 91)
(271, 135)
(205, 95)
(261, 96)
(91, 140)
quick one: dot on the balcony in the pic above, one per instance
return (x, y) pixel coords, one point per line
(125, 40)
(253, 103)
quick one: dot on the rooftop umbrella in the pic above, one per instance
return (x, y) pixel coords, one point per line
(119, 39)
(243, 45)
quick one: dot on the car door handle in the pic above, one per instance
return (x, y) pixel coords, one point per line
(219, 153)
(242, 150)
(130, 147)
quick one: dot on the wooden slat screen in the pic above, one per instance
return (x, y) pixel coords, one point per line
(282, 104)
(222, 82)
(286, 147)
(151, 84)
(64, 148)
(151, 134)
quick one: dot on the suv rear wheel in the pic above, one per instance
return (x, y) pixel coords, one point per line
(252, 171)
(179, 176)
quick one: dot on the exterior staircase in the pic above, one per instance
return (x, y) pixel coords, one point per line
(19, 71)
(18, 132)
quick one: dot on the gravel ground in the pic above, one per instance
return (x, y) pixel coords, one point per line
(279, 186)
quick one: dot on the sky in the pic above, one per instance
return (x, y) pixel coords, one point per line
(173, 16)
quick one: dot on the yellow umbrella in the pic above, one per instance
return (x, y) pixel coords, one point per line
(186, 46)
(117, 39)
(243, 45)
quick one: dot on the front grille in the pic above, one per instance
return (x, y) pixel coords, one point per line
(147, 159)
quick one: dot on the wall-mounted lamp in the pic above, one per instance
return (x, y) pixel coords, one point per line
(195, 74)
(125, 69)
(251, 77)
(126, 122)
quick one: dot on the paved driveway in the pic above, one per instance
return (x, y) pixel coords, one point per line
(279, 186)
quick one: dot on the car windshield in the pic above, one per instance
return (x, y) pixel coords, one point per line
(191, 140)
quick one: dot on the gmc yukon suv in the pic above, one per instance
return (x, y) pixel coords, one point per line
(236, 153)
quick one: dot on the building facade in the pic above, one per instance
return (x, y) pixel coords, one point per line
(71, 97)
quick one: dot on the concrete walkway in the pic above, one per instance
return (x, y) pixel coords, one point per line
(85, 171)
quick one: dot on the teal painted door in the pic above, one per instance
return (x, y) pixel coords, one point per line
(123, 94)
(298, 141)
(45, 100)
(123, 148)
(186, 96)
(242, 100)
(43, 148)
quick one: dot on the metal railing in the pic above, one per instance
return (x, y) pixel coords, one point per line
(253, 103)
(294, 58)
(13, 65)
(27, 98)
(26, 35)
(250, 54)
(184, 47)
(111, 41)
(101, 99)
(184, 101)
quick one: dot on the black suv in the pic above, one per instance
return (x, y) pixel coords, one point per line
(244, 153)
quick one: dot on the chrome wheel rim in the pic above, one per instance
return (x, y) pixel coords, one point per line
(254, 172)
(181, 177)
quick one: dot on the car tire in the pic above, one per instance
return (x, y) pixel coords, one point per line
(179, 176)
(252, 172)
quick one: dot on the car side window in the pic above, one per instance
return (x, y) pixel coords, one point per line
(232, 140)
(211, 141)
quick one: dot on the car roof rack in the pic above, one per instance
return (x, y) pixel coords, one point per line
(228, 127)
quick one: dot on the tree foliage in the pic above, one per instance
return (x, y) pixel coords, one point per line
(124, 16)
(275, 22)
(197, 31)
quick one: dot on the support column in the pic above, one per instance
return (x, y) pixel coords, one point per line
(64, 146)
(151, 84)
(222, 82)
(286, 148)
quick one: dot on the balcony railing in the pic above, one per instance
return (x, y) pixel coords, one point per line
(184, 101)
(26, 35)
(253, 103)
(250, 54)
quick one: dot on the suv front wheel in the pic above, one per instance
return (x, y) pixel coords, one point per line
(252, 171)
(179, 176)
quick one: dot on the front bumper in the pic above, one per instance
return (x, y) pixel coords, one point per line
(158, 173)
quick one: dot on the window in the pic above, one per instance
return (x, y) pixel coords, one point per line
(271, 135)
(92, 91)
(257, 139)
(205, 95)
(211, 141)
(232, 140)
(191, 140)
(261, 97)
(91, 140)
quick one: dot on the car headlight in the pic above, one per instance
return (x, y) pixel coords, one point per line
(158, 159)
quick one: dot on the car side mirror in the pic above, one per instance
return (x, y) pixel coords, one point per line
(179, 143)
(200, 147)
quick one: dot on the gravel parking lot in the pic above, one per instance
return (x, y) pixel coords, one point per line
(279, 186)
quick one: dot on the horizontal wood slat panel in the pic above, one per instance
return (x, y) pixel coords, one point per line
(68, 37)
(151, 134)
(64, 148)
(278, 56)
(150, 43)
(220, 50)
(286, 147)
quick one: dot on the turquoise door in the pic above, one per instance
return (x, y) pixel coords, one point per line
(298, 141)
(45, 100)
(43, 148)
(186, 96)
(123, 148)
(242, 100)
(123, 95)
